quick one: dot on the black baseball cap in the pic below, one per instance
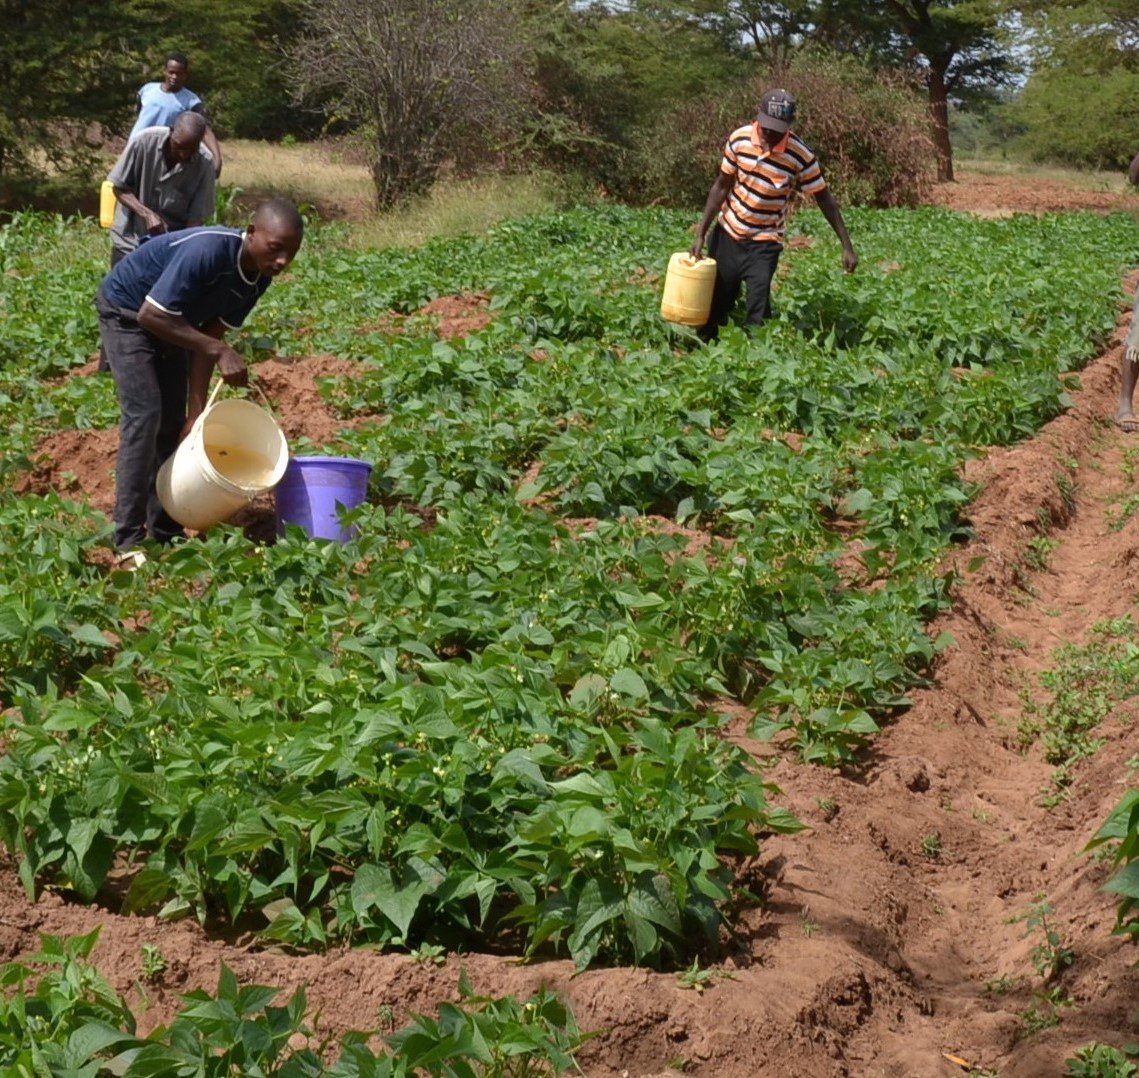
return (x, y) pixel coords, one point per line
(776, 110)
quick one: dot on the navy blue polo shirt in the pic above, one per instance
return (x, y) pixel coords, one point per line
(195, 273)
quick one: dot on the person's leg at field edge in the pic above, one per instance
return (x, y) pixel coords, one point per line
(1128, 368)
(728, 254)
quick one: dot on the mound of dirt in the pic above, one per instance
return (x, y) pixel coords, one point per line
(81, 462)
(453, 316)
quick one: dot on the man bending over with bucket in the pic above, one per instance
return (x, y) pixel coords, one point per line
(163, 313)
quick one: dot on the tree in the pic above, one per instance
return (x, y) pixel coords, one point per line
(604, 73)
(957, 46)
(63, 74)
(427, 78)
(1079, 104)
(237, 58)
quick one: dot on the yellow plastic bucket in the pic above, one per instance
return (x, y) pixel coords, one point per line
(234, 451)
(688, 286)
(107, 203)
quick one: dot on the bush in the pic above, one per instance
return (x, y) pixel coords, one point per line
(1100, 109)
(869, 127)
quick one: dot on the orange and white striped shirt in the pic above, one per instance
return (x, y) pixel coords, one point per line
(756, 206)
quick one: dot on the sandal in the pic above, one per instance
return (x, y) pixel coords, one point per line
(130, 560)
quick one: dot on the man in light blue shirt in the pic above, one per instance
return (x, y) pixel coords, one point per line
(161, 103)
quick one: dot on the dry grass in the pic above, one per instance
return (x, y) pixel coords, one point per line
(319, 177)
(457, 207)
(305, 173)
(1085, 179)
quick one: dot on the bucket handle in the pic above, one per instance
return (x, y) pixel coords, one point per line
(209, 404)
(252, 384)
(213, 395)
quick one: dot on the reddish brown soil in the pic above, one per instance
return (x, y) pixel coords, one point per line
(453, 316)
(868, 956)
(980, 193)
(82, 462)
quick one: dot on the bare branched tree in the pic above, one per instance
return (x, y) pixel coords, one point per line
(423, 77)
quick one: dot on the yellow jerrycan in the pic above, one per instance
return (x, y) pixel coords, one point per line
(688, 285)
(107, 204)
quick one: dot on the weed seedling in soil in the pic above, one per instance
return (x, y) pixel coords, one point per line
(1045, 1010)
(807, 926)
(700, 979)
(1117, 516)
(1000, 986)
(153, 963)
(1102, 1061)
(828, 807)
(1049, 957)
(1039, 549)
(1130, 456)
(931, 845)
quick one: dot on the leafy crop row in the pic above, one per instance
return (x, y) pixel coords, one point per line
(61, 1017)
(490, 720)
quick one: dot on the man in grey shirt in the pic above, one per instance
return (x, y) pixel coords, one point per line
(164, 181)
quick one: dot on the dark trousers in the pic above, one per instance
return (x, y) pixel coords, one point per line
(740, 262)
(116, 257)
(151, 380)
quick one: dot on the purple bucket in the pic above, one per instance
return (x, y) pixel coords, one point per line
(314, 489)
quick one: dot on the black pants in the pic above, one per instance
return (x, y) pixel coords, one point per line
(151, 380)
(740, 262)
(116, 257)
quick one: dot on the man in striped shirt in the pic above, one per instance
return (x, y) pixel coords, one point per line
(764, 162)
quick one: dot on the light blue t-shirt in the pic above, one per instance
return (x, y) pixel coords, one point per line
(157, 108)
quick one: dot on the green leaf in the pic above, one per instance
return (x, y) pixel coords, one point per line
(629, 683)
(91, 635)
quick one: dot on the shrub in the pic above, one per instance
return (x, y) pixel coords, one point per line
(869, 127)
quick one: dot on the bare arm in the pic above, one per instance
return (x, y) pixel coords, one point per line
(155, 222)
(207, 349)
(212, 144)
(829, 205)
(716, 197)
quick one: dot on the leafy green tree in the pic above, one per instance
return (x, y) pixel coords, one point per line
(1079, 104)
(63, 73)
(606, 73)
(959, 47)
(237, 53)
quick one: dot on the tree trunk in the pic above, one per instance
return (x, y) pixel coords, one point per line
(939, 115)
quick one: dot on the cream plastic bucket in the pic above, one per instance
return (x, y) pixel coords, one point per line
(107, 201)
(688, 286)
(234, 451)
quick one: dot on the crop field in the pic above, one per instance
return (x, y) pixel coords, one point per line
(495, 721)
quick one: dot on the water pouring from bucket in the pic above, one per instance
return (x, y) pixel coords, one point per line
(234, 451)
